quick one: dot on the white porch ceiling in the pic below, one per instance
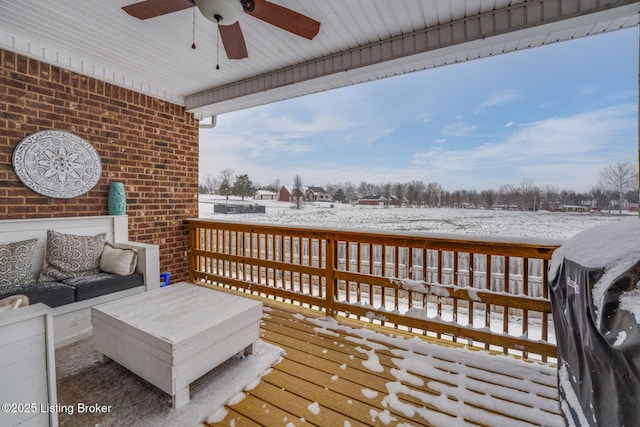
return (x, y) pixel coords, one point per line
(359, 41)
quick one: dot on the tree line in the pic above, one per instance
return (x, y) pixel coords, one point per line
(617, 183)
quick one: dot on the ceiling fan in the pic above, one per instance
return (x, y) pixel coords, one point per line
(226, 13)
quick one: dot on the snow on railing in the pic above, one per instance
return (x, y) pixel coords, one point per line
(478, 291)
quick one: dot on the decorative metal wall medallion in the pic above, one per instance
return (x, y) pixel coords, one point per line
(57, 164)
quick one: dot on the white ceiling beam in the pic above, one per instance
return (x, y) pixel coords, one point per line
(469, 38)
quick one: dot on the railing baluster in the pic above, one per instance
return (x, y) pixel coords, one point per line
(236, 251)
(347, 257)
(254, 255)
(525, 290)
(487, 307)
(507, 288)
(332, 287)
(359, 270)
(260, 254)
(371, 272)
(471, 284)
(455, 283)
(396, 273)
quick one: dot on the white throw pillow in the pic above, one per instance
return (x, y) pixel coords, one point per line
(115, 260)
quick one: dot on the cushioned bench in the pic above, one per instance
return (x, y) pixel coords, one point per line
(72, 297)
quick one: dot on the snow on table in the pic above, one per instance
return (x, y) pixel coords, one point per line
(171, 336)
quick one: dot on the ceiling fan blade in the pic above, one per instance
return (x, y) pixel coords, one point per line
(286, 19)
(233, 41)
(152, 8)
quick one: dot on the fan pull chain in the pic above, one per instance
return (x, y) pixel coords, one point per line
(218, 18)
(218, 49)
(193, 43)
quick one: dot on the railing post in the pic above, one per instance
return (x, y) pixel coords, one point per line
(190, 251)
(330, 280)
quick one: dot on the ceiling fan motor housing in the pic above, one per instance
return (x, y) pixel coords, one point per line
(222, 12)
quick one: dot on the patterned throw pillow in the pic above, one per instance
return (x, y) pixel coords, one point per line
(70, 255)
(15, 262)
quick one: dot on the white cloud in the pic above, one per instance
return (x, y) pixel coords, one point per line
(367, 135)
(587, 90)
(459, 128)
(259, 133)
(557, 150)
(424, 118)
(498, 98)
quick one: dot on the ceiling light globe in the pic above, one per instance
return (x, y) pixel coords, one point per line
(222, 12)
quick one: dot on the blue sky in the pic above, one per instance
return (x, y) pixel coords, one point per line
(556, 115)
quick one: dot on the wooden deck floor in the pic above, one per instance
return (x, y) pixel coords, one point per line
(334, 377)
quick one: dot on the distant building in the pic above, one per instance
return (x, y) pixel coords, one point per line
(266, 195)
(575, 208)
(317, 194)
(288, 194)
(394, 201)
(373, 200)
(284, 195)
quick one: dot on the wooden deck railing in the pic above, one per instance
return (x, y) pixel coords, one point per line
(480, 291)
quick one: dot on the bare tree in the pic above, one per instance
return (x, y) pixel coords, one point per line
(210, 184)
(367, 189)
(274, 186)
(398, 191)
(487, 198)
(297, 190)
(528, 194)
(350, 192)
(226, 185)
(386, 192)
(568, 197)
(432, 194)
(415, 189)
(506, 194)
(599, 196)
(550, 197)
(619, 178)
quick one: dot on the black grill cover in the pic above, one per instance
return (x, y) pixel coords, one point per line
(594, 279)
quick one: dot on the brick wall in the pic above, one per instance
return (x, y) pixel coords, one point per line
(149, 144)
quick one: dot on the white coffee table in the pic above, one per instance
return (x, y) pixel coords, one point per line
(173, 335)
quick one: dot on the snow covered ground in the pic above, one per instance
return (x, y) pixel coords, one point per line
(541, 224)
(475, 222)
(460, 221)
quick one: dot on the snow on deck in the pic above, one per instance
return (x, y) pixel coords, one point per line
(476, 378)
(340, 373)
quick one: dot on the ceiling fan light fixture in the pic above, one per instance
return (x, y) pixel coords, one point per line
(222, 12)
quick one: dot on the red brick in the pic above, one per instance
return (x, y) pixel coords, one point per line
(133, 133)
